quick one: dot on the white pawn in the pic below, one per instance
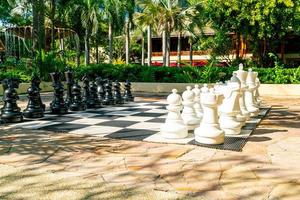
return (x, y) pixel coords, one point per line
(256, 92)
(197, 105)
(174, 128)
(209, 131)
(204, 89)
(249, 94)
(188, 113)
(230, 108)
(242, 76)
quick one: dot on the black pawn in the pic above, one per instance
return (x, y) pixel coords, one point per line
(100, 88)
(117, 93)
(77, 103)
(11, 112)
(34, 107)
(70, 81)
(88, 101)
(127, 92)
(58, 106)
(108, 98)
(94, 96)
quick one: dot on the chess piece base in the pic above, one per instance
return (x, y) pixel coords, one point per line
(127, 99)
(35, 114)
(59, 110)
(190, 122)
(230, 125)
(209, 134)
(174, 130)
(77, 107)
(11, 117)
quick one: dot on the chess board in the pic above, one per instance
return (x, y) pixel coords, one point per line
(139, 121)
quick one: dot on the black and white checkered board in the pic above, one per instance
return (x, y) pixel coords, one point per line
(133, 121)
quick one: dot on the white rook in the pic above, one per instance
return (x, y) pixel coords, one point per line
(209, 131)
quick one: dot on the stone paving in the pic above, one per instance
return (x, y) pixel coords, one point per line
(47, 165)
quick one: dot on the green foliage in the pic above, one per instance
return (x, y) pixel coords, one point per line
(46, 63)
(18, 69)
(207, 74)
(137, 73)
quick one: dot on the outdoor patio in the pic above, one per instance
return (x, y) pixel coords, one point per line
(48, 165)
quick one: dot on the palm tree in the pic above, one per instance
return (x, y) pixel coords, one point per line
(186, 21)
(129, 6)
(145, 19)
(38, 23)
(89, 12)
(163, 13)
(113, 13)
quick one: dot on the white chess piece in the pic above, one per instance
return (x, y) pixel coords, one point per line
(237, 109)
(174, 128)
(230, 107)
(197, 105)
(256, 92)
(188, 113)
(209, 131)
(242, 76)
(249, 96)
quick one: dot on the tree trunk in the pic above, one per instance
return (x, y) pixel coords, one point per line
(179, 50)
(41, 16)
(191, 53)
(149, 45)
(168, 61)
(87, 46)
(282, 50)
(53, 7)
(143, 50)
(110, 40)
(164, 47)
(38, 28)
(127, 41)
(238, 45)
(35, 25)
(97, 51)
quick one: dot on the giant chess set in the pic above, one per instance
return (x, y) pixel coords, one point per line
(222, 116)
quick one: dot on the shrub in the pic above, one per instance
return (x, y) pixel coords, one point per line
(137, 73)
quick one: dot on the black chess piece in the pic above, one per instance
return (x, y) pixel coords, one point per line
(108, 97)
(58, 106)
(69, 75)
(10, 112)
(34, 107)
(37, 81)
(127, 92)
(94, 98)
(88, 101)
(77, 103)
(100, 88)
(117, 93)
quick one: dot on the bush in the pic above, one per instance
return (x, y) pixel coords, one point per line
(207, 74)
(137, 73)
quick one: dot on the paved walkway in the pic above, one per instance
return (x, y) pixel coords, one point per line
(47, 165)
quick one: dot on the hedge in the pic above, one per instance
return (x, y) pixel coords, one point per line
(206, 74)
(138, 73)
